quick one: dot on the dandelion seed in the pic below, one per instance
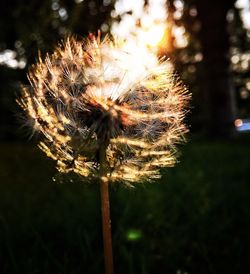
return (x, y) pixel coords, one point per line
(89, 92)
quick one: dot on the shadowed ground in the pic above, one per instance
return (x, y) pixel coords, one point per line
(195, 219)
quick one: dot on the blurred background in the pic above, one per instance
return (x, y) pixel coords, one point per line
(196, 219)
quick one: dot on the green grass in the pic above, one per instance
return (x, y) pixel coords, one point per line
(196, 219)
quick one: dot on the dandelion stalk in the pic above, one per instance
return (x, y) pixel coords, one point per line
(105, 209)
(106, 227)
(106, 113)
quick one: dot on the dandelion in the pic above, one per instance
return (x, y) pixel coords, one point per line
(90, 94)
(106, 112)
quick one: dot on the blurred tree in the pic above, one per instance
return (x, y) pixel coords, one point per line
(217, 77)
(53, 19)
(204, 60)
(240, 60)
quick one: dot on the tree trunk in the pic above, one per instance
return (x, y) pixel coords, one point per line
(217, 82)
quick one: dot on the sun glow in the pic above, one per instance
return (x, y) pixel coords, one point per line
(153, 36)
(144, 26)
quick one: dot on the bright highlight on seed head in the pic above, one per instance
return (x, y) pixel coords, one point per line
(89, 92)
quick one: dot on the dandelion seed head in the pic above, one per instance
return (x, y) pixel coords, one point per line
(90, 92)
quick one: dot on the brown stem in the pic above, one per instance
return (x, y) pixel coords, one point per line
(106, 222)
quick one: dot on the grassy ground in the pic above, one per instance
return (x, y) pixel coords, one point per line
(196, 219)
